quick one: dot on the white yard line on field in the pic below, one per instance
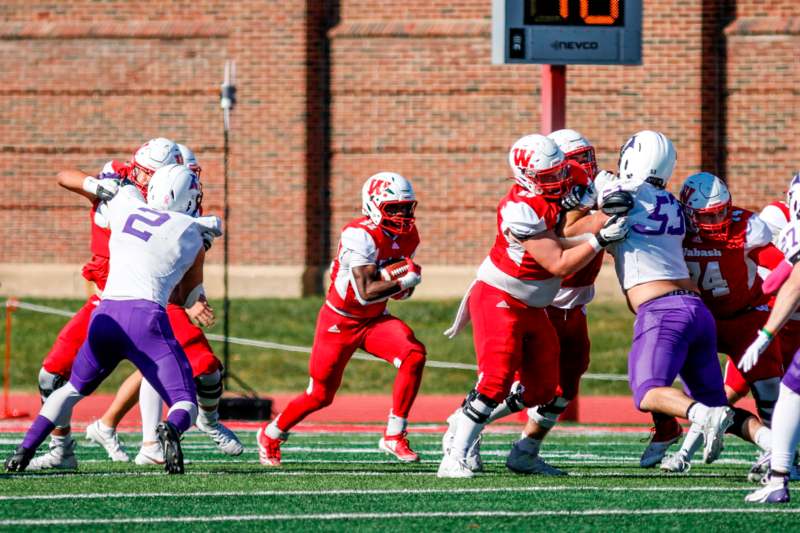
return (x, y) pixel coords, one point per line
(365, 492)
(394, 515)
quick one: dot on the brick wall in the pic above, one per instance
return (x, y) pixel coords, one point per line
(331, 91)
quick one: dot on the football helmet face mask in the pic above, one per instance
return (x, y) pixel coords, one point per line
(538, 166)
(189, 159)
(707, 202)
(648, 156)
(388, 199)
(793, 198)
(151, 156)
(175, 188)
(576, 148)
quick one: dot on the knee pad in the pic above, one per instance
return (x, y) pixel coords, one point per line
(766, 393)
(48, 382)
(514, 400)
(477, 407)
(209, 388)
(547, 415)
(740, 418)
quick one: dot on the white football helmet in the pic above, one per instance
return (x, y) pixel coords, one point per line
(793, 198)
(156, 153)
(707, 203)
(576, 148)
(388, 199)
(648, 156)
(538, 166)
(189, 159)
(175, 188)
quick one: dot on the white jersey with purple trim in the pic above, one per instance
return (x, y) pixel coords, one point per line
(653, 249)
(150, 250)
(789, 242)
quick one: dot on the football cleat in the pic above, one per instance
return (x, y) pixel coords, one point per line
(269, 449)
(775, 490)
(18, 461)
(61, 455)
(677, 463)
(108, 440)
(760, 468)
(170, 442)
(397, 445)
(717, 421)
(453, 467)
(225, 439)
(522, 462)
(473, 459)
(663, 435)
(150, 454)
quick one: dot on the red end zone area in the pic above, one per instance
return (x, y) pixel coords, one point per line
(362, 412)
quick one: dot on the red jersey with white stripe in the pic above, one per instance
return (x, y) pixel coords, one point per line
(363, 243)
(726, 271)
(96, 269)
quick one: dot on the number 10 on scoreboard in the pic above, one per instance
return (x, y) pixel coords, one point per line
(563, 32)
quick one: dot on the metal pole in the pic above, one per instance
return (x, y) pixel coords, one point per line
(227, 101)
(554, 98)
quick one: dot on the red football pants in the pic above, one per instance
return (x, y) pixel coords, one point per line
(61, 356)
(335, 340)
(511, 336)
(573, 336)
(734, 335)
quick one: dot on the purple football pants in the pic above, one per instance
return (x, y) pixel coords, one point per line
(137, 330)
(792, 376)
(676, 335)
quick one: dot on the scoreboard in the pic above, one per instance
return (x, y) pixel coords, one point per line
(563, 32)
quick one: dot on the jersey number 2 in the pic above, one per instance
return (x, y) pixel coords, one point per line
(154, 220)
(712, 279)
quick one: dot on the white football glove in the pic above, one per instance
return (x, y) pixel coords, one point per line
(604, 179)
(103, 189)
(614, 230)
(754, 351)
(413, 277)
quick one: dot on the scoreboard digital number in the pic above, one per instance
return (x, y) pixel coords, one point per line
(563, 32)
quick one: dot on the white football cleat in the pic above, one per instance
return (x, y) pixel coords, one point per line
(151, 454)
(676, 463)
(59, 456)
(473, 459)
(760, 468)
(450, 434)
(108, 440)
(775, 490)
(664, 435)
(452, 467)
(522, 462)
(717, 421)
(398, 446)
(225, 439)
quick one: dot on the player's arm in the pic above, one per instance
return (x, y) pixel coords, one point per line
(87, 186)
(768, 256)
(369, 285)
(190, 294)
(590, 223)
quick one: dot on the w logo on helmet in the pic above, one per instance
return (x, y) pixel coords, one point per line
(376, 187)
(522, 158)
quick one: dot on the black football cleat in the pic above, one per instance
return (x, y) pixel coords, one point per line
(18, 461)
(170, 442)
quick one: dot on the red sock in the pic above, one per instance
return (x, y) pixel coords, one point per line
(406, 384)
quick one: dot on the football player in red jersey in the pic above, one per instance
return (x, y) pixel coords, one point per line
(724, 251)
(515, 283)
(354, 316)
(57, 365)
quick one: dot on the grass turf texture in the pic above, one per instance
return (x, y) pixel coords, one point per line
(292, 322)
(347, 484)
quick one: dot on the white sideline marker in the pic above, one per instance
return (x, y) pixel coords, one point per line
(382, 516)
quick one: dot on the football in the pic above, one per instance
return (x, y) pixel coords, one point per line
(394, 270)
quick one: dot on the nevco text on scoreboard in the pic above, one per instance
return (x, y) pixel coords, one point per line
(563, 32)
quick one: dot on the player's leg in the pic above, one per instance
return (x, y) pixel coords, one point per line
(151, 407)
(54, 373)
(335, 340)
(539, 377)
(207, 372)
(497, 327)
(104, 430)
(393, 341)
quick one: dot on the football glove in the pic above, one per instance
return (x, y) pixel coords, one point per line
(614, 230)
(617, 203)
(104, 186)
(754, 351)
(413, 277)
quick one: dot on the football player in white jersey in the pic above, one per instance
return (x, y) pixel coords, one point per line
(674, 332)
(156, 255)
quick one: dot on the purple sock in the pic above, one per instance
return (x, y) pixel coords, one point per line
(38, 431)
(181, 419)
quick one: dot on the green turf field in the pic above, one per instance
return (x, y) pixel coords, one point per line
(292, 322)
(341, 482)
